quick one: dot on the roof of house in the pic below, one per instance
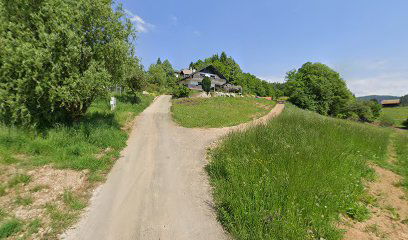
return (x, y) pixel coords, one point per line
(211, 68)
(186, 71)
(391, 101)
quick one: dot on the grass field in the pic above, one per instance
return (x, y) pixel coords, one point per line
(218, 111)
(92, 145)
(398, 114)
(292, 178)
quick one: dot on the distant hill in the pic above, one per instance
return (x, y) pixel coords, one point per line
(379, 98)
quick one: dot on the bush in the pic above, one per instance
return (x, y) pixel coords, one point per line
(386, 121)
(405, 123)
(57, 57)
(362, 109)
(206, 84)
(181, 91)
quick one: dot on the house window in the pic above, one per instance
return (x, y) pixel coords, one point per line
(202, 75)
(213, 76)
(199, 83)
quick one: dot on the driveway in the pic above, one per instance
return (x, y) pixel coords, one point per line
(158, 189)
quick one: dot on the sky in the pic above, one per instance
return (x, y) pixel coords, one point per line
(366, 41)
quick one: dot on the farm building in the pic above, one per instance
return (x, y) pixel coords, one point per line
(391, 103)
(193, 79)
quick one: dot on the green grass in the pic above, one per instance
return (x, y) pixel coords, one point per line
(218, 111)
(19, 179)
(292, 178)
(398, 114)
(75, 146)
(401, 148)
(9, 228)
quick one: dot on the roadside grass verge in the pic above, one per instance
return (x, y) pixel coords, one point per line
(401, 149)
(218, 111)
(397, 114)
(294, 177)
(91, 144)
(34, 169)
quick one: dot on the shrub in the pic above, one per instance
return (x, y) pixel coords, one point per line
(386, 121)
(181, 91)
(405, 123)
(57, 56)
(206, 84)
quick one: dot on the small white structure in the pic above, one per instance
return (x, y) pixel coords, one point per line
(113, 103)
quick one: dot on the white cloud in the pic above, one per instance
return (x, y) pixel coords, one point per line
(141, 25)
(375, 77)
(384, 84)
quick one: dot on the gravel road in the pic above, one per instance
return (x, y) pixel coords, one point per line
(158, 189)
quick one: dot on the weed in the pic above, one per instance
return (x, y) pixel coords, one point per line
(23, 201)
(74, 202)
(19, 179)
(394, 213)
(10, 227)
(38, 188)
(375, 229)
(34, 226)
(2, 190)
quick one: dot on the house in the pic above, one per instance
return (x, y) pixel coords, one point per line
(391, 103)
(193, 79)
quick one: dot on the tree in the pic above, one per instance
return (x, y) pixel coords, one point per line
(159, 62)
(404, 100)
(206, 83)
(317, 87)
(57, 56)
(135, 78)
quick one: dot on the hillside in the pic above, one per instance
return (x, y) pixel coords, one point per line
(377, 97)
(294, 177)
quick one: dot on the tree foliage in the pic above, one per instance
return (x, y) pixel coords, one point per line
(57, 56)
(318, 88)
(181, 91)
(161, 75)
(206, 83)
(233, 74)
(404, 100)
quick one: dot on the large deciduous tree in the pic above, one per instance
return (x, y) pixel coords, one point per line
(57, 56)
(317, 87)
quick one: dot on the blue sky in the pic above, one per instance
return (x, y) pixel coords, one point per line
(365, 40)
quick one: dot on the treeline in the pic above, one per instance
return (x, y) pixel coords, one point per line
(318, 88)
(234, 74)
(58, 56)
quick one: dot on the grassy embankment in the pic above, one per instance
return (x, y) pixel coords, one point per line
(294, 177)
(92, 145)
(397, 114)
(218, 111)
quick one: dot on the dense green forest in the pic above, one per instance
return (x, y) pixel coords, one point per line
(234, 74)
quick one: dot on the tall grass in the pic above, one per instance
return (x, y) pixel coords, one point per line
(401, 148)
(292, 178)
(91, 144)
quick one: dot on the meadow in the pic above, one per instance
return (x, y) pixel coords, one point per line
(397, 114)
(294, 177)
(218, 111)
